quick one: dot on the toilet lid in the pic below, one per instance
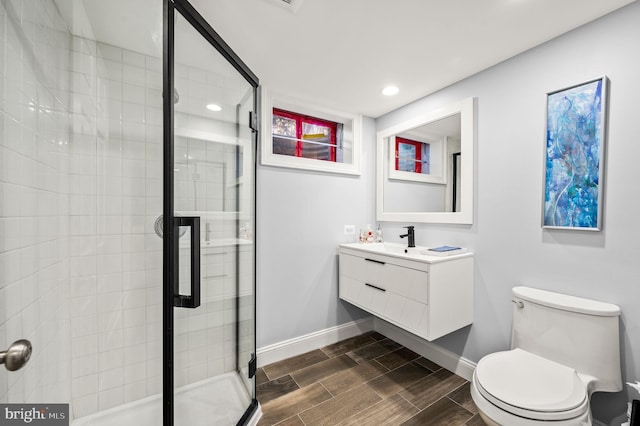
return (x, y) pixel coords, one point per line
(531, 386)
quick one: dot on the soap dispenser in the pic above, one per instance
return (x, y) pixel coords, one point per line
(378, 238)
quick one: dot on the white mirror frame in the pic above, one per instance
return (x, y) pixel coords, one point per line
(466, 109)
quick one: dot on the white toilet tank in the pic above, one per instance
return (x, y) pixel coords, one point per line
(580, 333)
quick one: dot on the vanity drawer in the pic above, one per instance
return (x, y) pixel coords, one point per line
(397, 309)
(403, 281)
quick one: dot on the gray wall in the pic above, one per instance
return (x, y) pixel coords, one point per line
(301, 214)
(300, 221)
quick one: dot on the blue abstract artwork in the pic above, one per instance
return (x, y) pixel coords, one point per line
(574, 155)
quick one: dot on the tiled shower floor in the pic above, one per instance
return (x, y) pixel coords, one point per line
(364, 380)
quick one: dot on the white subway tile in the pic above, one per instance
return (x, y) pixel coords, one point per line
(134, 317)
(134, 298)
(134, 335)
(10, 229)
(197, 372)
(84, 345)
(132, 58)
(83, 286)
(110, 302)
(109, 205)
(110, 52)
(84, 326)
(110, 398)
(113, 90)
(109, 244)
(109, 225)
(111, 70)
(133, 94)
(153, 63)
(133, 75)
(133, 149)
(135, 356)
(84, 366)
(85, 404)
(135, 391)
(83, 306)
(133, 111)
(154, 79)
(133, 262)
(111, 320)
(133, 224)
(110, 340)
(109, 263)
(133, 280)
(154, 385)
(132, 243)
(82, 266)
(134, 168)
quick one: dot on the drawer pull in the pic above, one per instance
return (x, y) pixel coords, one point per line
(373, 286)
(374, 261)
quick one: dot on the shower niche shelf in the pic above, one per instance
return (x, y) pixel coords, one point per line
(429, 296)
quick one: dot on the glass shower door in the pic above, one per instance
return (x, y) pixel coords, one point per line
(209, 248)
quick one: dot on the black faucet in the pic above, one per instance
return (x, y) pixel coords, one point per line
(411, 234)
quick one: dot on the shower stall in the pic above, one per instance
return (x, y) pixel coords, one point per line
(128, 135)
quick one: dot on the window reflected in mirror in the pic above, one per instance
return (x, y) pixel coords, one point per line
(412, 156)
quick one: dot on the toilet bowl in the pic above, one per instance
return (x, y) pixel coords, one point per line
(563, 349)
(518, 388)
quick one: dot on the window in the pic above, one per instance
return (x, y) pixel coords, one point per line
(304, 136)
(299, 136)
(417, 158)
(412, 156)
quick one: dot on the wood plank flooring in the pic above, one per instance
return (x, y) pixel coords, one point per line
(367, 380)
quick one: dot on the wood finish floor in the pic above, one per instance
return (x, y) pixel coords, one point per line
(364, 380)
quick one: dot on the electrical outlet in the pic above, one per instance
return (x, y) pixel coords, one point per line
(349, 229)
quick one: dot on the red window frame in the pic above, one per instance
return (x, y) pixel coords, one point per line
(300, 119)
(418, 150)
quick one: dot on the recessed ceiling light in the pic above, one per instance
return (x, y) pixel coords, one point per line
(214, 107)
(390, 90)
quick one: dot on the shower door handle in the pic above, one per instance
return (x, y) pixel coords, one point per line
(192, 300)
(17, 355)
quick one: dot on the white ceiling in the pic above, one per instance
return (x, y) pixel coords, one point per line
(341, 53)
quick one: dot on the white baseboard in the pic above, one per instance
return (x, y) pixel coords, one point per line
(309, 342)
(447, 359)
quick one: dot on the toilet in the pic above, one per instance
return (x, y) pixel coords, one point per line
(563, 348)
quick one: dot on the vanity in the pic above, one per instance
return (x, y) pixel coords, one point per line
(427, 295)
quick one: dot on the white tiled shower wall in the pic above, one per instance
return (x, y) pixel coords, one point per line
(115, 184)
(34, 186)
(81, 187)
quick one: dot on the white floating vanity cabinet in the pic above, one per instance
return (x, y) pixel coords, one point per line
(429, 296)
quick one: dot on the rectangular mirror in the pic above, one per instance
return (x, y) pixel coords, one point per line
(424, 167)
